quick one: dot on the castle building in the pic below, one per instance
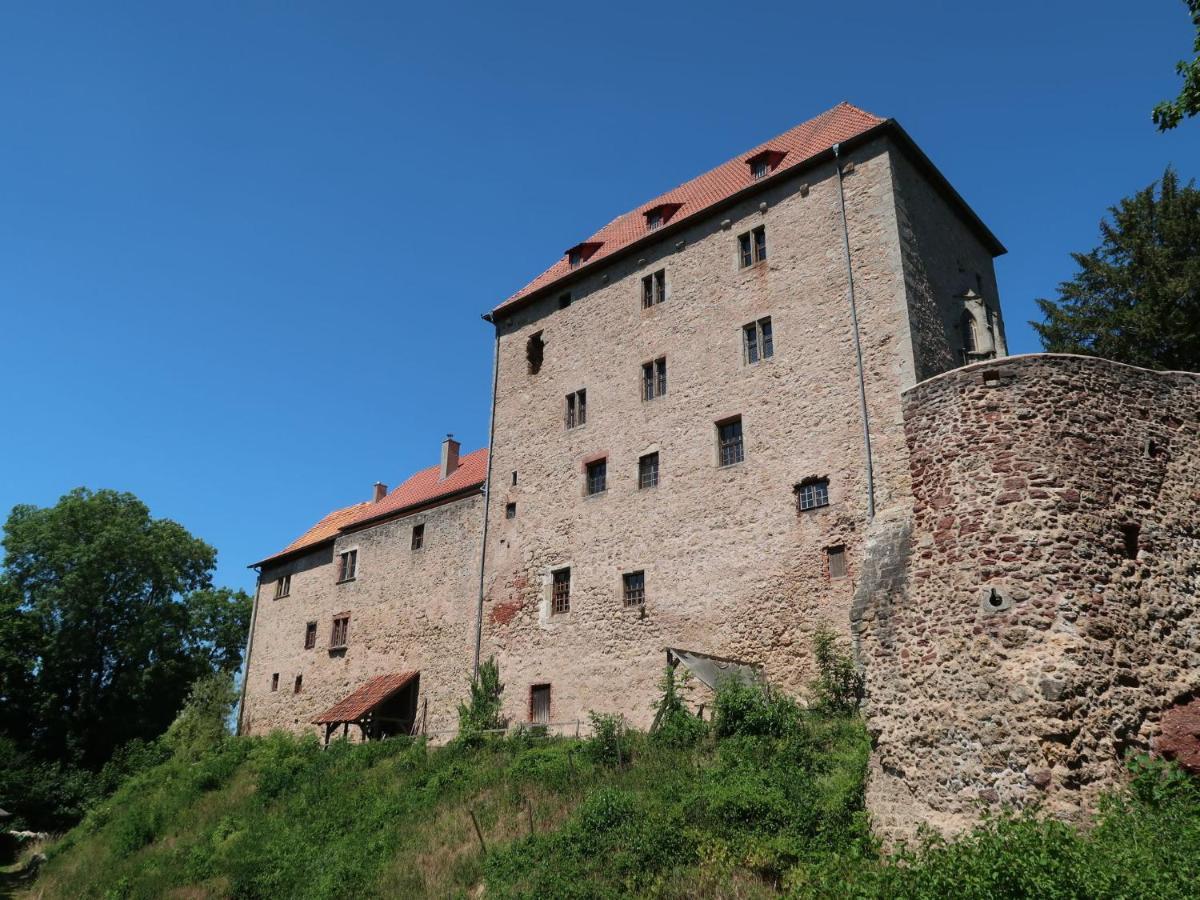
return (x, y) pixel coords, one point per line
(722, 421)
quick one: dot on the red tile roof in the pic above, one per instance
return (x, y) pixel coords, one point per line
(365, 699)
(423, 488)
(798, 145)
(427, 486)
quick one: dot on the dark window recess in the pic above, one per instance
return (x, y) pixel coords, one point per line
(654, 378)
(654, 219)
(539, 704)
(310, 635)
(760, 168)
(1130, 534)
(758, 340)
(597, 477)
(648, 471)
(299, 684)
(535, 352)
(283, 586)
(418, 536)
(560, 592)
(510, 510)
(340, 633)
(514, 479)
(654, 289)
(752, 246)
(729, 442)
(575, 259)
(347, 565)
(836, 558)
(577, 409)
(564, 300)
(812, 494)
(275, 682)
(634, 588)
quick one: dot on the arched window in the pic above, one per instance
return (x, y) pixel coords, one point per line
(970, 336)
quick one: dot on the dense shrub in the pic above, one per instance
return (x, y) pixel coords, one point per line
(608, 745)
(753, 709)
(674, 725)
(481, 713)
(839, 685)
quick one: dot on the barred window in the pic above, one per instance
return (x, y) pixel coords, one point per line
(654, 289)
(560, 592)
(654, 378)
(729, 442)
(347, 565)
(812, 494)
(340, 633)
(758, 340)
(648, 471)
(836, 559)
(418, 536)
(283, 586)
(310, 635)
(752, 246)
(577, 409)
(634, 584)
(597, 477)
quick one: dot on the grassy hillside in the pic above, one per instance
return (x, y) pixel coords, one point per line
(767, 802)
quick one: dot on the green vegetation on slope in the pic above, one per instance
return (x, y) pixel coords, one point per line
(766, 800)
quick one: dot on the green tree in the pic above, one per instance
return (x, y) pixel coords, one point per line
(107, 618)
(481, 712)
(1170, 113)
(1136, 297)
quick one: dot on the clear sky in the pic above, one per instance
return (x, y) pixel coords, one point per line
(244, 247)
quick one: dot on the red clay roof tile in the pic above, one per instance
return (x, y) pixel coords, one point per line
(797, 145)
(324, 530)
(366, 698)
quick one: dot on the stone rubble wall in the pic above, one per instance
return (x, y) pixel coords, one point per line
(1047, 622)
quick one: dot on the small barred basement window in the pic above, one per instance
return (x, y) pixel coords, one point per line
(634, 588)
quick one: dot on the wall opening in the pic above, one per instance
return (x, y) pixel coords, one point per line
(1130, 536)
(535, 351)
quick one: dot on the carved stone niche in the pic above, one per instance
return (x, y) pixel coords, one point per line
(976, 328)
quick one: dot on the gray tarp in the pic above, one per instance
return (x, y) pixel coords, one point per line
(712, 670)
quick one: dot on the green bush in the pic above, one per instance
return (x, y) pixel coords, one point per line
(839, 685)
(753, 709)
(481, 713)
(608, 745)
(673, 725)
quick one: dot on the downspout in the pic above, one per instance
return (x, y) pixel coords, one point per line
(249, 647)
(862, 384)
(487, 502)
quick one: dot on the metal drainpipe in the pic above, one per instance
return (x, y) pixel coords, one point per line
(249, 647)
(862, 385)
(487, 497)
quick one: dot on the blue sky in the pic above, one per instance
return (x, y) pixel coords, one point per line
(244, 247)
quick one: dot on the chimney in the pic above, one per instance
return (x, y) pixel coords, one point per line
(380, 491)
(449, 456)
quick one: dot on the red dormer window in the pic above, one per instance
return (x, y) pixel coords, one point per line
(581, 253)
(765, 162)
(659, 215)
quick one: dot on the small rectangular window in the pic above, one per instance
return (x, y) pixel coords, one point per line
(535, 352)
(575, 259)
(514, 479)
(510, 510)
(299, 683)
(418, 536)
(758, 341)
(597, 477)
(812, 494)
(654, 219)
(648, 471)
(347, 565)
(654, 289)
(564, 300)
(275, 681)
(836, 558)
(577, 409)
(310, 635)
(560, 592)
(634, 588)
(761, 168)
(752, 246)
(340, 633)
(283, 586)
(539, 704)
(729, 442)
(654, 378)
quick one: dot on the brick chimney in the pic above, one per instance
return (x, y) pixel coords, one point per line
(380, 491)
(450, 449)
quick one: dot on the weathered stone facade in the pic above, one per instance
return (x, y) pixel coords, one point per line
(1042, 611)
(731, 568)
(409, 609)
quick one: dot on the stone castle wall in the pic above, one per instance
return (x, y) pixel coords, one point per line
(1032, 616)
(409, 609)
